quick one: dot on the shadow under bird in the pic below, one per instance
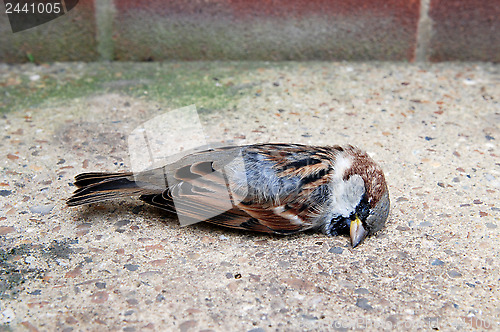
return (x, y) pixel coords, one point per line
(275, 188)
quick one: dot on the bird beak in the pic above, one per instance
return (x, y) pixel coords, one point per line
(358, 233)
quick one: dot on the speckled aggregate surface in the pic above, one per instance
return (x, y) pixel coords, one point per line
(124, 266)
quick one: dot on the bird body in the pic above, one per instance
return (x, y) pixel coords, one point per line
(273, 188)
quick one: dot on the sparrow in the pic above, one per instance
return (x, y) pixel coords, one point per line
(272, 188)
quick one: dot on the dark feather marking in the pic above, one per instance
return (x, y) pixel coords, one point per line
(285, 231)
(301, 209)
(87, 179)
(302, 163)
(314, 177)
(106, 185)
(158, 201)
(202, 168)
(247, 203)
(250, 223)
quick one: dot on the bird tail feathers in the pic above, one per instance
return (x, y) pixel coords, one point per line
(97, 187)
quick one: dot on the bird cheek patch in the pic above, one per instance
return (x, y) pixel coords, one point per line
(347, 195)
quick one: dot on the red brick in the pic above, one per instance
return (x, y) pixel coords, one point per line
(70, 37)
(266, 30)
(465, 30)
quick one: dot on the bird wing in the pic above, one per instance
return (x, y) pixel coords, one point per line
(279, 189)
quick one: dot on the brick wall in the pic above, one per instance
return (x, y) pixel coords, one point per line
(155, 30)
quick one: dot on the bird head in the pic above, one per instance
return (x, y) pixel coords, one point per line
(360, 203)
(372, 210)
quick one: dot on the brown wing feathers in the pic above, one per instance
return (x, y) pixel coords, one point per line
(199, 189)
